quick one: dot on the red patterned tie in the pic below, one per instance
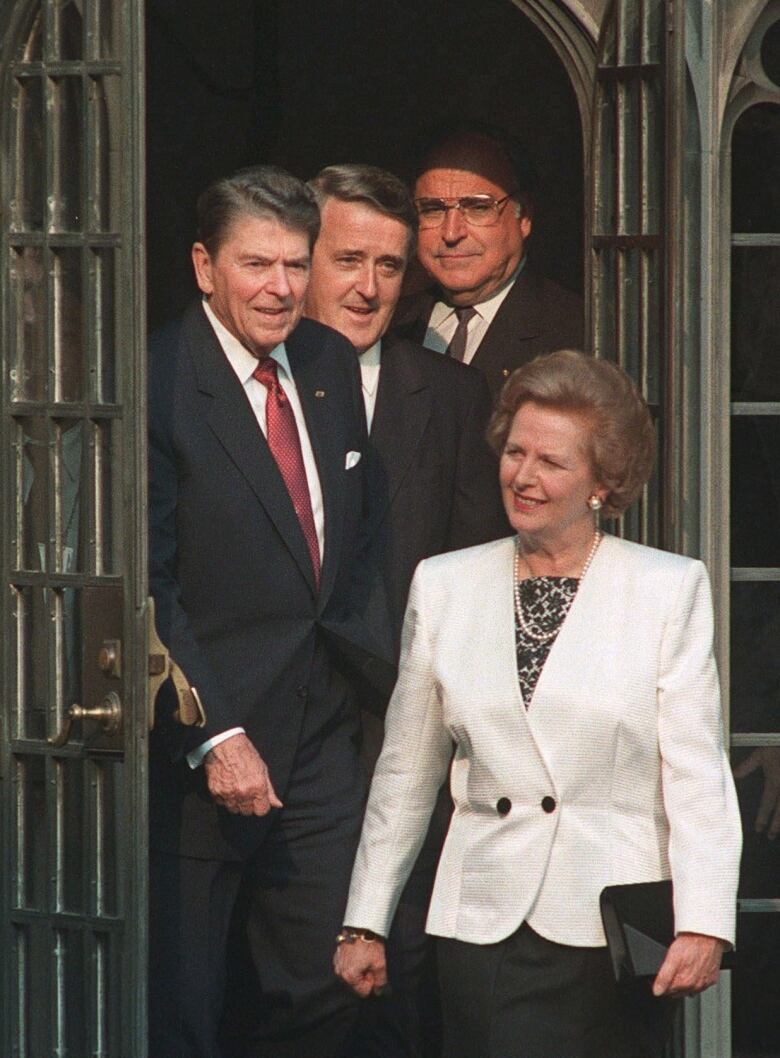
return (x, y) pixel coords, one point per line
(285, 445)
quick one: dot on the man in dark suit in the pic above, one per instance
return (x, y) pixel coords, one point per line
(474, 196)
(257, 438)
(436, 490)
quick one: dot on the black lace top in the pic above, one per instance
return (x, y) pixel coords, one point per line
(545, 601)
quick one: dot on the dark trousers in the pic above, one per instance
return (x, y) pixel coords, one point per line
(249, 946)
(527, 997)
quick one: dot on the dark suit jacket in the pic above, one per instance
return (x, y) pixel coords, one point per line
(537, 316)
(230, 571)
(437, 487)
(434, 489)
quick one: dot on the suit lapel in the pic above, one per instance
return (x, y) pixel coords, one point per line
(402, 413)
(516, 321)
(410, 320)
(230, 417)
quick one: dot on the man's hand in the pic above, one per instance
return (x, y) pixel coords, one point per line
(362, 966)
(691, 965)
(768, 759)
(238, 778)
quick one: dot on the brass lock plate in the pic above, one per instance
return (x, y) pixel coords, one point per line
(101, 663)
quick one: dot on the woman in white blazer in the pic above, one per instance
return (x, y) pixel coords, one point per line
(574, 673)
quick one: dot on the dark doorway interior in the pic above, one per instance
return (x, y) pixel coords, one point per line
(311, 83)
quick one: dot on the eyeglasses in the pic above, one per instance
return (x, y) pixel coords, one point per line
(479, 210)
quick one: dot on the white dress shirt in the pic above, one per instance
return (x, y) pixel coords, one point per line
(370, 363)
(443, 321)
(244, 364)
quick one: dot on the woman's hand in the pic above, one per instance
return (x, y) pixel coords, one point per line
(691, 965)
(362, 966)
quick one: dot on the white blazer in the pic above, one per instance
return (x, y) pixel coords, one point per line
(616, 773)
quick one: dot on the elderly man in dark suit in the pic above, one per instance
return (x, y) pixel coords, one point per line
(436, 488)
(257, 439)
(487, 307)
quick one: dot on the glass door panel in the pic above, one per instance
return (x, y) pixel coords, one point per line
(755, 571)
(73, 723)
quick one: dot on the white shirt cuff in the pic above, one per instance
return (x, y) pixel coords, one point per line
(195, 757)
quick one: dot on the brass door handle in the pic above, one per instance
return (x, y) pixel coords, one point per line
(108, 713)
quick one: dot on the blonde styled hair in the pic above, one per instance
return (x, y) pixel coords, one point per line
(621, 443)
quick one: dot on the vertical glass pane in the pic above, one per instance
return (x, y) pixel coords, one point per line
(107, 780)
(105, 541)
(69, 452)
(104, 323)
(755, 170)
(101, 986)
(67, 209)
(755, 490)
(652, 176)
(628, 157)
(71, 984)
(68, 296)
(770, 53)
(608, 43)
(31, 979)
(32, 455)
(755, 1024)
(32, 865)
(105, 28)
(629, 36)
(755, 657)
(652, 31)
(757, 771)
(28, 202)
(651, 325)
(604, 219)
(30, 646)
(66, 617)
(69, 29)
(32, 47)
(102, 174)
(73, 837)
(629, 314)
(604, 303)
(18, 961)
(29, 375)
(755, 323)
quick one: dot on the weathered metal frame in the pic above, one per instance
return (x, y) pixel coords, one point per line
(129, 972)
(717, 43)
(629, 248)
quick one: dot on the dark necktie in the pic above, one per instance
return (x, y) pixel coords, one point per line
(285, 445)
(457, 347)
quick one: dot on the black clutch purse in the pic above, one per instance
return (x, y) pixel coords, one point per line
(639, 926)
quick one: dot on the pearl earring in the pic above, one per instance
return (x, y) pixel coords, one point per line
(595, 502)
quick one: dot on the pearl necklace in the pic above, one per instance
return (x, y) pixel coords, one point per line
(532, 633)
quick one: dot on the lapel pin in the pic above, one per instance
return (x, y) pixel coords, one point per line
(319, 393)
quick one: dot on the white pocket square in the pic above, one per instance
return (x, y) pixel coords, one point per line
(353, 458)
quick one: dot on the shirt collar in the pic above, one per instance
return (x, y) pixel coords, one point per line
(370, 362)
(486, 310)
(239, 357)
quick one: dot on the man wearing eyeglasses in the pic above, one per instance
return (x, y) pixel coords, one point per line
(474, 198)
